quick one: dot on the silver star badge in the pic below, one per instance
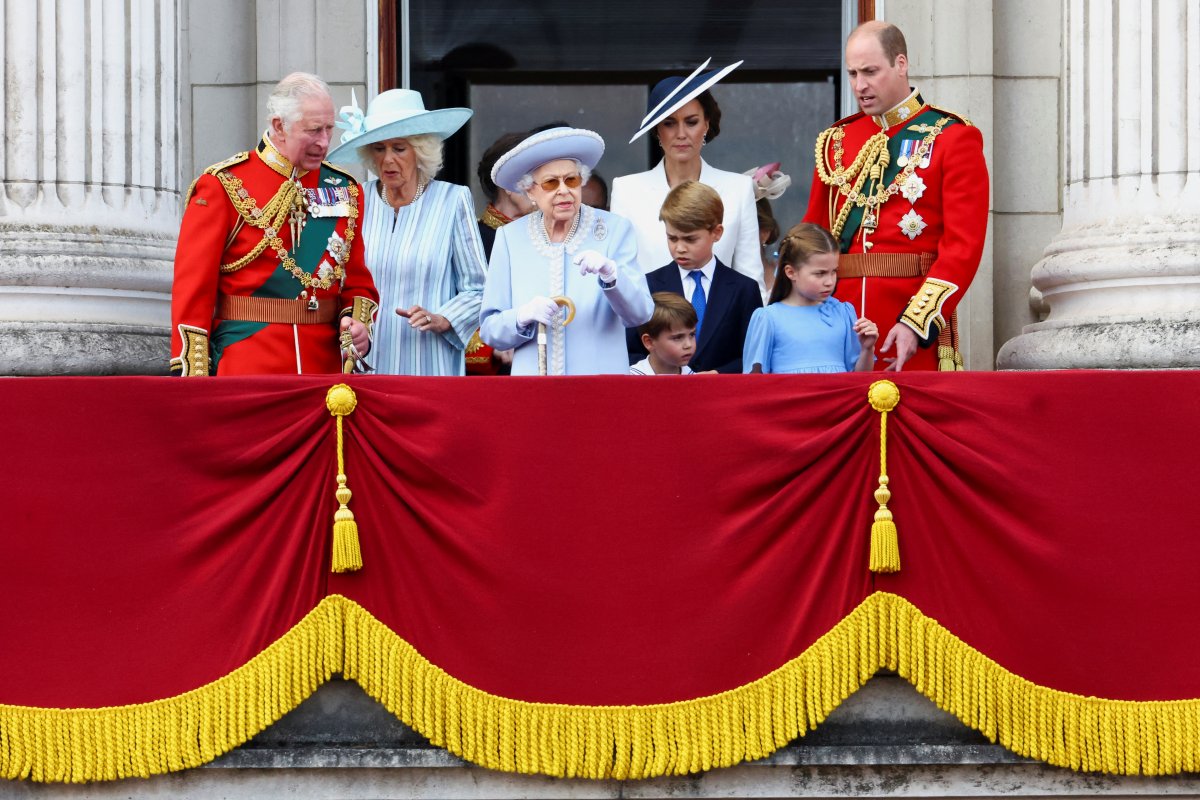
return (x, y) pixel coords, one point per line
(336, 246)
(912, 224)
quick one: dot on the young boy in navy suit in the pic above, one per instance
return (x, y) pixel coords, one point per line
(724, 300)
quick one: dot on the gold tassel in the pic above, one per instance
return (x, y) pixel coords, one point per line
(885, 545)
(341, 400)
(948, 360)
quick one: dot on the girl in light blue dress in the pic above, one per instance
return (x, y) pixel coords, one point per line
(803, 328)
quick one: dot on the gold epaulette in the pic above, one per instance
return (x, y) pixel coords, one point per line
(233, 160)
(236, 158)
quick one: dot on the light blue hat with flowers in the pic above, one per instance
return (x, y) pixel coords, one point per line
(394, 114)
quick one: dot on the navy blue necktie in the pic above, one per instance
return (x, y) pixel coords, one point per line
(698, 300)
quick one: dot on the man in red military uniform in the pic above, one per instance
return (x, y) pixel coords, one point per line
(903, 186)
(269, 277)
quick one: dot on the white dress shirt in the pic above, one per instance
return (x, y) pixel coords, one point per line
(689, 283)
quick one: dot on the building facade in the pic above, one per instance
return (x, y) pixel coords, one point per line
(1089, 122)
(1092, 133)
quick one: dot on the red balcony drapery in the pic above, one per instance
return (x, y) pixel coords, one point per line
(597, 576)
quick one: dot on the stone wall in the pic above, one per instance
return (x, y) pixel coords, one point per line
(235, 52)
(89, 191)
(1027, 194)
(1121, 280)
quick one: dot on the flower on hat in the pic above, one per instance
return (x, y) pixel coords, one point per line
(351, 119)
(769, 182)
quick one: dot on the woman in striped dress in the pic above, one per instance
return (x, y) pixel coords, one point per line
(421, 241)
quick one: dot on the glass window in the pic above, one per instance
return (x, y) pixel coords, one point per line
(523, 63)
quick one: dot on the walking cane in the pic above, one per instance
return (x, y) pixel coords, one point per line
(563, 302)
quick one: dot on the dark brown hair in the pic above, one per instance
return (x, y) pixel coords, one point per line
(489, 158)
(767, 221)
(712, 115)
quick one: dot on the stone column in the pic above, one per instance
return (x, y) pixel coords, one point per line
(1122, 279)
(89, 201)
(950, 57)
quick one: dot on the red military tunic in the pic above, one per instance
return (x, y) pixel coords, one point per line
(929, 196)
(235, 312)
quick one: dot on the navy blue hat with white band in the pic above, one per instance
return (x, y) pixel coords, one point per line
(671, 94)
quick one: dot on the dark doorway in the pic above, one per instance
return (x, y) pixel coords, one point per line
(524, 63)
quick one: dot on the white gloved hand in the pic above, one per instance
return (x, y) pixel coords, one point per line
(539, 309)
(597, 264)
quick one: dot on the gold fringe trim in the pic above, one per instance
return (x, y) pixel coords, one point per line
(76, 745)
(622, 742)
(1089, 734)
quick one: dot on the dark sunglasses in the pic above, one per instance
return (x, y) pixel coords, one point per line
(551, 184)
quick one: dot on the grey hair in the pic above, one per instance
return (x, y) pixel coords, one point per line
(429, 149)
(526, 182)
(285, 99)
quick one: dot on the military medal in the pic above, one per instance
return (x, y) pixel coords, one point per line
(911, 224)
(336, 246)
(912, 189)
(328, 202)
(907, 148)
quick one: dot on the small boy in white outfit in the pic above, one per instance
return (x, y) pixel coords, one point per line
(669, 336)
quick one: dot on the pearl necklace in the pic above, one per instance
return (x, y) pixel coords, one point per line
(570, 234)
(417, 196)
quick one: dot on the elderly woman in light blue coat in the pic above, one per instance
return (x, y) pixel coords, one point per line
(563, 249)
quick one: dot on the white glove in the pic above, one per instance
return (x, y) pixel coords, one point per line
(598, 264)
(539, 309)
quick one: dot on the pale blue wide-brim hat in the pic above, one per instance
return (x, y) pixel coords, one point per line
(394, 114)
(584, 146)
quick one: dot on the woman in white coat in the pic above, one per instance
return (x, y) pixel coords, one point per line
(683, 115)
